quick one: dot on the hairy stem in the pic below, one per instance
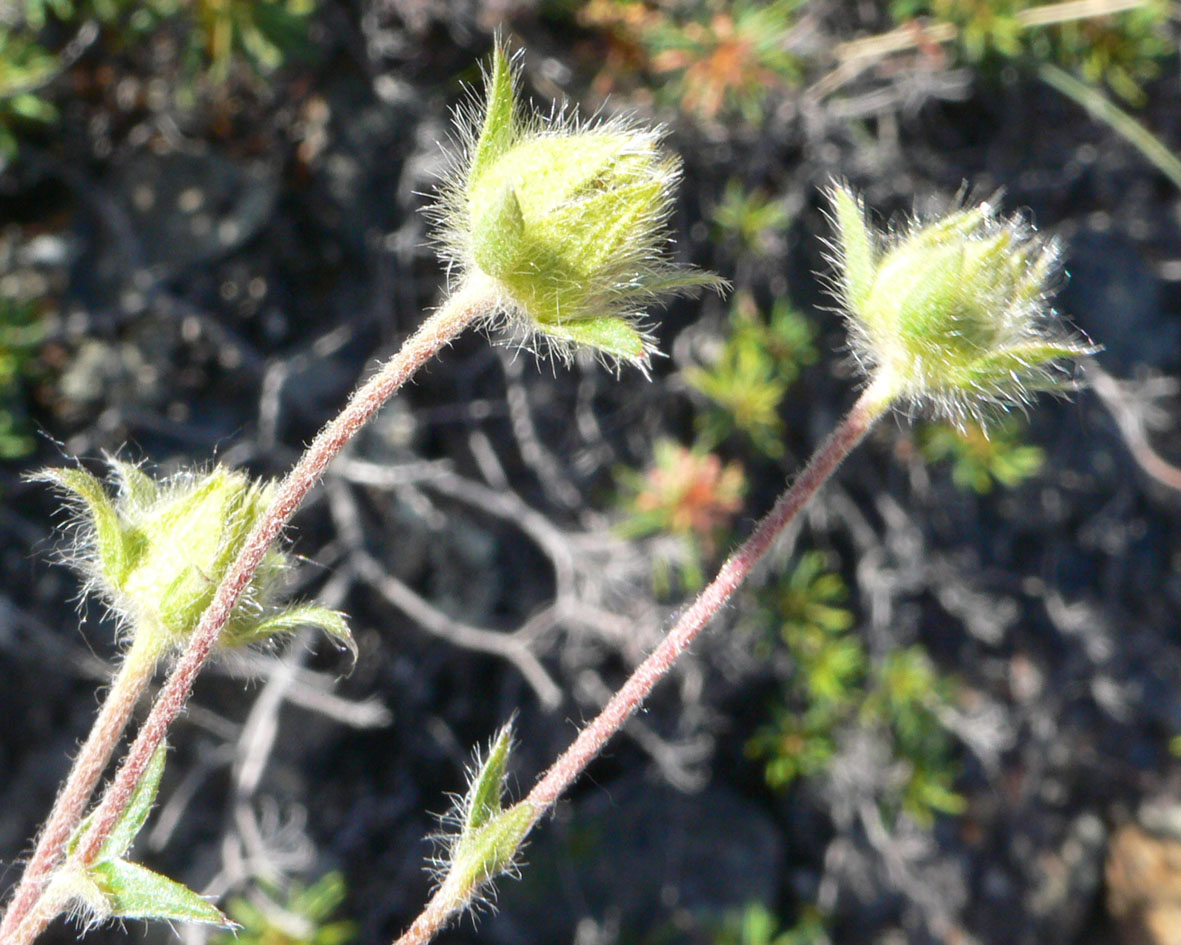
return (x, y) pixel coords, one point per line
(590, 741)
(138, 666)
(470, 303)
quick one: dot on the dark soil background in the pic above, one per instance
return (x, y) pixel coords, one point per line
(215, 271)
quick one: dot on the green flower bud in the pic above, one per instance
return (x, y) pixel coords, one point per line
(156, 552)
(952, 314)
(563, 221)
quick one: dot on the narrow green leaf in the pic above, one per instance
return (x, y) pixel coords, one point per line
(330, 621)
(484, 796)
(108, 531)
(856, 245)
(321, 899)
(499, 129)
(135, 892)
(1023, 361)
(134, 815)
(128, 826)
(260, 48)
(611, 336)
(685, 281)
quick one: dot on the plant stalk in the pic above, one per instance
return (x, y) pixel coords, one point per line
(870, 406)
(134, 675)
(1101, 107)
(471, 302)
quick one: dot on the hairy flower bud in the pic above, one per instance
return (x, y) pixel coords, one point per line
(952, 314)
(565, 221)
(156, 553)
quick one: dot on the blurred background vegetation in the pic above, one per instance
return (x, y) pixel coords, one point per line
(948, 713)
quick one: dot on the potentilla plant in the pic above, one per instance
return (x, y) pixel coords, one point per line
(554, 226)
(558, 227)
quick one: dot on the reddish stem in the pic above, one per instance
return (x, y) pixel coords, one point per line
(627, 700)
(23, 922)
(132, 679)
(692, 621)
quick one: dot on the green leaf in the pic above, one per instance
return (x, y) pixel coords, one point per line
(135, 892)
(484, 796)
(484, 854)
(32, 107)
(856, 245)
(260, 48)
(137, 810)
(108, 535)
(500, 123)
(321, 899)
(132, 820)
(1021, 360)
(612, 336)
(330, 621)
(489, 836)
(37, 10)
(685, 280)
(8, 146)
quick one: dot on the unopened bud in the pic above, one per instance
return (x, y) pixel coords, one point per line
(156, 552)
(952, 314)
(565, 221)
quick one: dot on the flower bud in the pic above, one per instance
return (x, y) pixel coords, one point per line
(952, 314)
(564, 221)
(157, 551)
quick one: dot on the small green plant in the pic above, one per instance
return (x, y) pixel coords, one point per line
(979, 457)
(983, 28)
(1120, 49)
(216, 34)
(686, 493)
(25, 66)
(906, 699)
(799, 741)
(805, 609)
(834, 686)
(757, 925)
(264, 33)
(803, 735)
(21, 331)
(301, 915)
(758, 362)
(748, 218)
(810, 600)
